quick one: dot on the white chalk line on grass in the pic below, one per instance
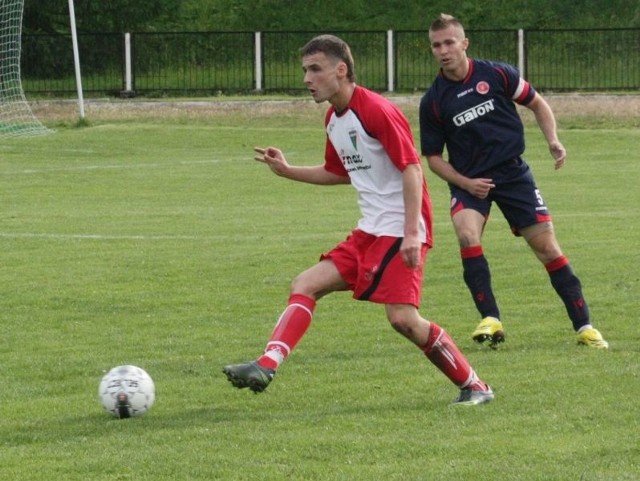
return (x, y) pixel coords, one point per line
(441, 223)
(33, 235)
(144, 238)
(90, 168)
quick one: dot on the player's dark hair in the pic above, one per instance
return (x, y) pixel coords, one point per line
(333, 47)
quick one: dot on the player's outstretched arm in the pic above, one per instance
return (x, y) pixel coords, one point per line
(316, 174)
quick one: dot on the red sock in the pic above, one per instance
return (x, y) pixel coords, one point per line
(445, 355)
(293, 323)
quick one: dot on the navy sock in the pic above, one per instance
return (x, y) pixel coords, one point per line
(477, 276)
(569, 288)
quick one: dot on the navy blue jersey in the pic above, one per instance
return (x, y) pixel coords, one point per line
(475, 118)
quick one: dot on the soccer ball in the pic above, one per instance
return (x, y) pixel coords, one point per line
(127, 391)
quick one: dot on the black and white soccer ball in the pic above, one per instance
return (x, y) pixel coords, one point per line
(127, 391)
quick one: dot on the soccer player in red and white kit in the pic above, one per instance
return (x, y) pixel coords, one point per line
(470, 109)
(370, 146)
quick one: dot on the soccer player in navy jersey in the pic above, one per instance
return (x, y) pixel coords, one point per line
(470, 109)
(369, 145)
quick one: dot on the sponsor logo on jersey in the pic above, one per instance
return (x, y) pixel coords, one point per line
(473, 113)
(464, 92)
(353, 162)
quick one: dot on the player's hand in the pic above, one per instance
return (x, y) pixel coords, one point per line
(479, 187)
(273, 157)
(558, 153)
(410, 251)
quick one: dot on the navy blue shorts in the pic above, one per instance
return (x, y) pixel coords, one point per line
(515, 194)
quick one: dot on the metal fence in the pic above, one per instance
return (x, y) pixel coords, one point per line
(208, 63)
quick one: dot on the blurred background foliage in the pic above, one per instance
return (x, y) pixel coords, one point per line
(52, 16)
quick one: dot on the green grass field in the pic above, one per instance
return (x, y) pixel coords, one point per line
(163, 244)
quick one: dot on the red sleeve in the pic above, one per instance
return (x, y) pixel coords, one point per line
(388, 124)
(332, 162)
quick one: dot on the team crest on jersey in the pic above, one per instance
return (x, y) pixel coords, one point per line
(353, 135)
(482, 88)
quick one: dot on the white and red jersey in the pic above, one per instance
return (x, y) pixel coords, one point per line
(371, 142)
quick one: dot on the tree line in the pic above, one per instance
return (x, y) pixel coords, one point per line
(52, 16)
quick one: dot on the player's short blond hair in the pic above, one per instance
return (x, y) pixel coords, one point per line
(445, 21)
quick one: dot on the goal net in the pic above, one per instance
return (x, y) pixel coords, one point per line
(16, 117)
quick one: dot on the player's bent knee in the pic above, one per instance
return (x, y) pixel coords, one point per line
(403, 319)
(542, 240)
(544, 229)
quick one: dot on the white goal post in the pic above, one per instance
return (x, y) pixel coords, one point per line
(16, 117)
(76, 58)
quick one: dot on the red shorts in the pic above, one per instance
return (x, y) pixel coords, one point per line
(374, 270)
